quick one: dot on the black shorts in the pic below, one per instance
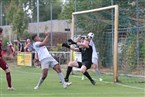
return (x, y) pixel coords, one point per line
(85, 63)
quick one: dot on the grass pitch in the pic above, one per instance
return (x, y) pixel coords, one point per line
(25, 79)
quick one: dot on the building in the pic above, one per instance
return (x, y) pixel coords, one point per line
(54, 26)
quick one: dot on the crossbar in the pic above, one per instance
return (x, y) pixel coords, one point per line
(94, 10)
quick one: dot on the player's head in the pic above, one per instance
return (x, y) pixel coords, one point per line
(28, 40)
(35, 37)
(18, 40)
(90, 35)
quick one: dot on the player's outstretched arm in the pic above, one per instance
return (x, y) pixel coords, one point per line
(85, 44)
(45, 40)
(70, 41)
(70, 47)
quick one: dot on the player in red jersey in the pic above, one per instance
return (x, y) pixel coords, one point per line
(4, 65)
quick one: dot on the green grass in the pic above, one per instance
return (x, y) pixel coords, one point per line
(25, 78)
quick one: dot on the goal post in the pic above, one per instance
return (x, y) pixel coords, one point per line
(115, 38)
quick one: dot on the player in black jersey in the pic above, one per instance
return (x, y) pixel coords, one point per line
(86, 51)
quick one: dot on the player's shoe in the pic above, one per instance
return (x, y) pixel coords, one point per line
(36, 87)
(100, 79)
(93, 82)
(11, 88)
(66, 84)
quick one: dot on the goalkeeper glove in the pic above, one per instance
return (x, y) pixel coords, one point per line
(65, 45)
(71, 41)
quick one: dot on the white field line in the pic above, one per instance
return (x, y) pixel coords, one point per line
(130, 75)
(123, 85)
(130, 86)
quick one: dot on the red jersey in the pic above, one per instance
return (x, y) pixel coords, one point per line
(0, 48)
(3, 63)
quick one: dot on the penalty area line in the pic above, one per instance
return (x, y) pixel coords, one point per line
(127, 86)
(123, 85)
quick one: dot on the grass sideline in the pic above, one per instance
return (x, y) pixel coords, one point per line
(25, 78)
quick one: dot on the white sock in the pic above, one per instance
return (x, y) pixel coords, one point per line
(40, 82)
(61, 77)
(98, 73)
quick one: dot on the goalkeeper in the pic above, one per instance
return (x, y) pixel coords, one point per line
(94, 56)
(86, 51)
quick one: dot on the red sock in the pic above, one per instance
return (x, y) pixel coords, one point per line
(8, 77)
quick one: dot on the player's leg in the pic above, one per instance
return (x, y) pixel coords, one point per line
(69, 69)
(8, 78)
(45, 67)
(57, 68)
(5, 67)
(97, 71)
(95, 67)
(84, 71)
(42, 78)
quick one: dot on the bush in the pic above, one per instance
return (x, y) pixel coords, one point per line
(142, 53)
(129, 55)
(4, 44)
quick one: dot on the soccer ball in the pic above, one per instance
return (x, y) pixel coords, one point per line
(90, 35)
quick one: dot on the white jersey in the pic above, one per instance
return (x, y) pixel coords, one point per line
(41, 50)
(94, 54)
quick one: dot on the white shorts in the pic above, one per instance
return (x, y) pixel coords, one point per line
(48, 62)
(95, 61)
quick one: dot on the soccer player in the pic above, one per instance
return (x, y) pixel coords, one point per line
(20, 46)
(94, 56)
(46, 60)
(4, 65)
(29, 48)
(86, 51)
(11, 48)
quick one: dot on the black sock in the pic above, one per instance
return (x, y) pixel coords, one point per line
(69, 69)
(88, 76)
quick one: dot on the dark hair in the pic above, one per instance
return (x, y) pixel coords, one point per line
(1, 30)
(18, 39)
(33, 37)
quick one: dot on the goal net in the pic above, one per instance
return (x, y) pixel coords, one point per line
(103, 22)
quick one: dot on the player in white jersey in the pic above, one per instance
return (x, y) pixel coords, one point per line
(46, 60)
(94, 56)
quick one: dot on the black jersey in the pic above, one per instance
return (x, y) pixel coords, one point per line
(86, 54)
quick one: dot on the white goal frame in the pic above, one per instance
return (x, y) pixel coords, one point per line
(115, 48)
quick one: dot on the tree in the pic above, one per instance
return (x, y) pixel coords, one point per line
(44, 9)
(142, 48)
(20, 23)
(129, 52)
(30, 8)
(80, 5)
(16, 16)
(67, 10)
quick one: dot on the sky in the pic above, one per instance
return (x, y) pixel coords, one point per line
(64, 1)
